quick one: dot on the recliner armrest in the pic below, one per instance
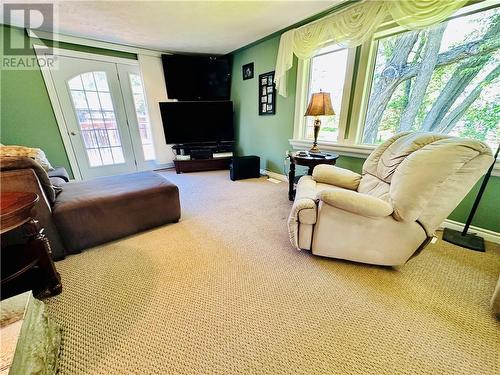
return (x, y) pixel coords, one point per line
(340, 177)
(306, 188)
(357, 203)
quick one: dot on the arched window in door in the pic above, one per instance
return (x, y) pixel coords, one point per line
(96, 118)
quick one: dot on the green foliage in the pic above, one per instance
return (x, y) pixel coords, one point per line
(388, 47)
(479, 122)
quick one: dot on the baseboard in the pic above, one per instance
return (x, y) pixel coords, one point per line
(487, 234)
(277, 176)
(159, 167)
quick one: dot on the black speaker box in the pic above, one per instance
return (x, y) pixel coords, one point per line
(244, 167)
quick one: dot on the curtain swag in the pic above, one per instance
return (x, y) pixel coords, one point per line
(354, 26)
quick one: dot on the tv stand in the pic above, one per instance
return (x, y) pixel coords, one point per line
(209, 164)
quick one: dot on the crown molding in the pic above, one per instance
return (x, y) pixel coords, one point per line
(93, 43)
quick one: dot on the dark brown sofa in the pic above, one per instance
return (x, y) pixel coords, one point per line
(89, 213)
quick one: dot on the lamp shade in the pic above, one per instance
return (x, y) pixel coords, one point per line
(320, 105)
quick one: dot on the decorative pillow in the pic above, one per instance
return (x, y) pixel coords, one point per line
(34, 153)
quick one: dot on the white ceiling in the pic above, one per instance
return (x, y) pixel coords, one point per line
(182, 26)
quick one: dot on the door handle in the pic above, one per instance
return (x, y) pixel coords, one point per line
(73, 133)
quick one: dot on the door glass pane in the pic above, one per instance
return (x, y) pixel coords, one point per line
(328, 70)
(101, 81)
(93, 100)
(75, 83)
(117, 154)
(105, 99)
(109, 120)
(88, 82)
(102, 138)
(114, 139)
(107, 156)
(89, 138)
(94, 157)
(93, 106)
(142, 116)
(79, 99)
(84, 120)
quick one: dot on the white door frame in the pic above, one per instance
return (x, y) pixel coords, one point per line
(56, 105)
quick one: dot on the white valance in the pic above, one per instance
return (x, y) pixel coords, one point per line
(355, 25)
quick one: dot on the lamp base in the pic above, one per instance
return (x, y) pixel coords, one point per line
(469, 241)
(317, 125)
(315, 149)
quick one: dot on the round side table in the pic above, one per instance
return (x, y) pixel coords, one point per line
(306, 161)
(18, 259)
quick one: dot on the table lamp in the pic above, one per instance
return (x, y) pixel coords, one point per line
(319, 105)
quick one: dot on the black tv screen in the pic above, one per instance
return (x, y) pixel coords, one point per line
(197, 121)
(197, 77)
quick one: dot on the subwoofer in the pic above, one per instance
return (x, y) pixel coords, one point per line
(244, 167)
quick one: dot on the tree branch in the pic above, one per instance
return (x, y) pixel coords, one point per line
(387, 84)
(424, 75)
(449, 122)
(489, 42)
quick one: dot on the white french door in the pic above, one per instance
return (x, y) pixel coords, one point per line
(104, 110)
(136, 107)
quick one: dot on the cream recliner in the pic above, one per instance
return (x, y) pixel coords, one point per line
(408, 186)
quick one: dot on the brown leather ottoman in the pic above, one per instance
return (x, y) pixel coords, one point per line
(88, 213)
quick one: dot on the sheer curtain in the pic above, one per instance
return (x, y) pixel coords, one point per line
(354, 25)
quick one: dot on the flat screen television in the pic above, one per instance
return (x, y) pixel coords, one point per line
(197, 121)
(197, 77)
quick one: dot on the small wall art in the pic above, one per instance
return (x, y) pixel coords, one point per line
(247, 71)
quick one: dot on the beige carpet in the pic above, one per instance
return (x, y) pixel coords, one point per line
(223, 292)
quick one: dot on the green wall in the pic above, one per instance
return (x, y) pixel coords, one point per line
(26, 115)
(267, 136)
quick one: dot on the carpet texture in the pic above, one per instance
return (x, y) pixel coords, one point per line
(224, 292)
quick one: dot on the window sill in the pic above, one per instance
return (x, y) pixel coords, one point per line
(357, 151)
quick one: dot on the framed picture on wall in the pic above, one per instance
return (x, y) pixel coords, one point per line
(247, 71)
(267, 94)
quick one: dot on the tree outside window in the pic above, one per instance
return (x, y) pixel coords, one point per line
(443, 79)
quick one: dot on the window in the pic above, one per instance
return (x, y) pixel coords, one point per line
(328, 70)
(442, 79)
(96, 118)
(142, 116)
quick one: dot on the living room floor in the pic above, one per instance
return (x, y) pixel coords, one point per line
(223, 292)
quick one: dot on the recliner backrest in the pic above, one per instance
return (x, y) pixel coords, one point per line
(424, 175)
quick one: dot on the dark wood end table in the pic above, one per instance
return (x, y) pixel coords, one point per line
(17, 259)
(306, 161)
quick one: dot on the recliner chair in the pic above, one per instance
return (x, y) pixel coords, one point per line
(408, 186)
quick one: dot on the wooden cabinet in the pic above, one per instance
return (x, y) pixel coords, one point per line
(201, 164)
